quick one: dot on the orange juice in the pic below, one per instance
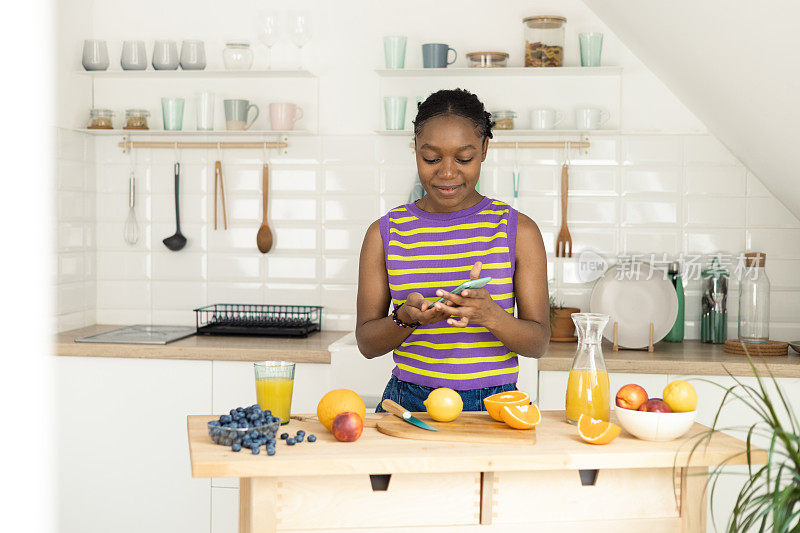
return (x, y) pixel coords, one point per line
(587, 392)
(275, 394)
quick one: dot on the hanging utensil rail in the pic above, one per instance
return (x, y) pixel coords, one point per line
(128, 144)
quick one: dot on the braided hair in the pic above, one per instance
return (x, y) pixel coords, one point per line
(459, 102)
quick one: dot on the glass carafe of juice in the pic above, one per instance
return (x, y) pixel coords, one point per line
(587, 387)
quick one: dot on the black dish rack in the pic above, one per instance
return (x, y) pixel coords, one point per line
(255, 319)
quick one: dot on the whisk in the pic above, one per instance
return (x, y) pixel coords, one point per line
(131, 232)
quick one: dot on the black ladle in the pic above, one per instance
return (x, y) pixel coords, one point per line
(177, 241)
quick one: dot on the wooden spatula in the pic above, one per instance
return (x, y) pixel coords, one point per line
(264, 237)
(564, 240)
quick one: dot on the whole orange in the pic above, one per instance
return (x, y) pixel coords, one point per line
(339, 401)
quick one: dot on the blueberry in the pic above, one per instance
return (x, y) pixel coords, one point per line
(298, 438)
(235, 447)
(255, 450)
(255, 407)
(253, 434)
(284, 436)
(214, 423)
(266, 413)
(301, 432)
(225, 419)
(312, 438)
(290, 441)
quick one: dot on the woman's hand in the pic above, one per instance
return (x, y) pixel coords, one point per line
(475, 306)
(418, 309)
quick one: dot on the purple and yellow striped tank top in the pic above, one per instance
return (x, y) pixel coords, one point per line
(429, 251)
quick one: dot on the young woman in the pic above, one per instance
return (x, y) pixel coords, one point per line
(417, 252)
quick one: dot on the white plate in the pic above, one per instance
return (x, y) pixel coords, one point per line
(634, 302)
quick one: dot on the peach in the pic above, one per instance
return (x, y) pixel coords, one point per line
(347, 426)
(655, 405)
(631, 397)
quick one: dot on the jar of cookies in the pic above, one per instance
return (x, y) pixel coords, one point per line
(136, 119)
(544, 41)
(100, 119)
(504, 119)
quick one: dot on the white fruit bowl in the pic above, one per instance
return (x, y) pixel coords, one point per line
(657, 427)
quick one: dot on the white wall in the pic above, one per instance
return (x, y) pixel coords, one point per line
(661, 185)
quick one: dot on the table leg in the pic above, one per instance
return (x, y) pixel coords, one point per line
(258, 505)
(694, 499)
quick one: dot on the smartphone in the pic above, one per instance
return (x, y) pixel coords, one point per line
(469, 284)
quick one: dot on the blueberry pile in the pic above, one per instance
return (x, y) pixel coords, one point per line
(251, 428)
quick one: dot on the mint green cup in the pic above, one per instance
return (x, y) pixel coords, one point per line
(172, 113)
(591, 45)
(394, 51)
(394, 108)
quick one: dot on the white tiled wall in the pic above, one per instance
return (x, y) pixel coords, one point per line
(76, 281)
(629, 194)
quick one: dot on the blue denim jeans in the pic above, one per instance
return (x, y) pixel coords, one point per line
(411, 396)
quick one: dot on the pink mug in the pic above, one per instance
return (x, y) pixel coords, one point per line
(283, 116)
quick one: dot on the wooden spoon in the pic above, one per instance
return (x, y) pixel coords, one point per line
(264, 237)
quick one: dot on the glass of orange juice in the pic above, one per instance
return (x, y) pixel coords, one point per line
(587, 386)
(274, 384)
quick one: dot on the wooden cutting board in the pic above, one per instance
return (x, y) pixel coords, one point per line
(468, 427)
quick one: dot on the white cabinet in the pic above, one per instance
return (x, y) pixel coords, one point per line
(123, 454)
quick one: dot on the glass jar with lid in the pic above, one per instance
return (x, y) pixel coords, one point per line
(544, 41)
(100, 119)
(487, 59)
(754, 299)
(136, 119)
(237, 55)
(504, 119)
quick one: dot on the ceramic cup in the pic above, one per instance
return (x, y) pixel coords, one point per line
(193, 55)
(394, 51)
(205, 111)
(546, 119)
(134, 56)
(436, 55)
(236, 112)
(172, 113)
(95, 54)
(165, 55)
(282, 116)
(394, 108)
(590, 118)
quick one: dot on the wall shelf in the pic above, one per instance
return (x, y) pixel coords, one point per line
(219, 133)
(197, 73)
(504, 71)
(515, 133)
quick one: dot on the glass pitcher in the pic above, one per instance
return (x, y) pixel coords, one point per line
(587, 387)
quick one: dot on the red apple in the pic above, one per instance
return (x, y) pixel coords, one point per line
(631, 397)
(347, 426)
(655, 405)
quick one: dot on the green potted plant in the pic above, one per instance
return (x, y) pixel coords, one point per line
(562, 328)
(769, 500)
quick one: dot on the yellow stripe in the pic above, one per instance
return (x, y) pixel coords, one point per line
(470, 225)
(490, 212)
(448, 242)
(502, 296)
(498, 202)
(454, 345)
(475, 253)
(402, 220)
(397, 210)
(471, 375)
(457, 360)
(437, 270)
(438, 331)
(437, 284)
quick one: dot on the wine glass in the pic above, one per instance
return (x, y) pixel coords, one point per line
(268, 31)
(300, 30)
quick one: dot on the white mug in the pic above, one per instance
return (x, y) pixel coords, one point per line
(590, 118)
(546, 119)
(282, 116)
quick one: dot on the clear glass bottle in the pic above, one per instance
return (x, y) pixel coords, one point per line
(587, 387)
(754, 299)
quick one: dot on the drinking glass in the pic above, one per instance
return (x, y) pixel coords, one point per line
(205, 111)
(172, 113)
(268, 31)
(274, 384)
(394, 51)
(591, 45)
(300, 31)
(394, 108)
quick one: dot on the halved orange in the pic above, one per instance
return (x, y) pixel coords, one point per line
(494, 402)
(521, 416)
(596, 431)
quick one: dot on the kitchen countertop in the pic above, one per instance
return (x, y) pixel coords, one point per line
(557, 447)
(311, 349)
(690, 357)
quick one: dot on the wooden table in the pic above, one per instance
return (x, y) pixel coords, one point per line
(383, 483)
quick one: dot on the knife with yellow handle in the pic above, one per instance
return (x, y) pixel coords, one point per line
(399, 411)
